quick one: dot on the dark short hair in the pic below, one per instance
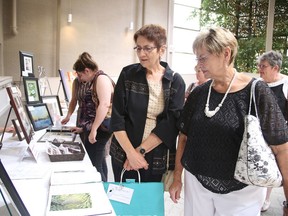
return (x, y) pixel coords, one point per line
(153, 33)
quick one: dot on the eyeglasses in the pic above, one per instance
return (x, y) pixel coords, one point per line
(202, 59)
(261, 66)
(145, 49)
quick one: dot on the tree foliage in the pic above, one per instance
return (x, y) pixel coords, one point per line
(247, 19)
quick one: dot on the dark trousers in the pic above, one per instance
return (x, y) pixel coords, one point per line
(97, 151)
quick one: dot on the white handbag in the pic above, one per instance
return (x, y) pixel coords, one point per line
(256, 163)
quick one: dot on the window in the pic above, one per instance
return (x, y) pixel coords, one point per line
(185, 29)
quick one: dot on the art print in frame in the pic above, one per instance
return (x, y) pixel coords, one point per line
(39, 116)
(20, 112)
(32, 91)
(26, 64)
(53, 104)
(18, 130)
(65, 84)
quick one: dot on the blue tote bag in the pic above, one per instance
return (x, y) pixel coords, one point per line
(147, 199)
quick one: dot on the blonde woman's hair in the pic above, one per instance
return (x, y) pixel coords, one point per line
(215, 40)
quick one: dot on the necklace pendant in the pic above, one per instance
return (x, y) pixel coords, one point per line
(210, 113)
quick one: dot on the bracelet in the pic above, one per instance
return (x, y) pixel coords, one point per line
(285, 204)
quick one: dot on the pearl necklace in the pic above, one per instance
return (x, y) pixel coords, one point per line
(211, 113)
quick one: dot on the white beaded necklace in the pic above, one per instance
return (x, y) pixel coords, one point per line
(211, 113)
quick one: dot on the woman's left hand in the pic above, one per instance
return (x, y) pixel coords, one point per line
(92, 137)
(175, 190)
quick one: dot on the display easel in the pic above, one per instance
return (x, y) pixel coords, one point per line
(1, 142)
(65, 94)
(5, 202)
(30, 152)
(18, 206)
(43, 81)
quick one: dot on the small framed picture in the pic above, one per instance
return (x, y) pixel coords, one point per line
(26, 64)
(20, 112)
(32, 92)
(39, 116)
(18, 130)
(53, 104)
(66, 79)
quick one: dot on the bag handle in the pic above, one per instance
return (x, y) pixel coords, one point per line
(122, 173)
(253, 97)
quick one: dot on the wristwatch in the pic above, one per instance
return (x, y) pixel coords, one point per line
(142, 150)
(285, 204)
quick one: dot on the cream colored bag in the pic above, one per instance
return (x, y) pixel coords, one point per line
(168, 176)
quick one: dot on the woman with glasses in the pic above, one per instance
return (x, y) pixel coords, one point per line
(146, 105)
(93, 90)
(211, 130)
(269, 66)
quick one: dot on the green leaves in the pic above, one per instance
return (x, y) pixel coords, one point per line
(247, 19)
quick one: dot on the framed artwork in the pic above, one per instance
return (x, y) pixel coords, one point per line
(12, 192)
(53, 104)
(67, 89)
(18, 130)
(26, 64)
(39, 116)
(23, 119)
(32, 92)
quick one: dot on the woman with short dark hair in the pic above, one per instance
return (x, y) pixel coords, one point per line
(146, 106)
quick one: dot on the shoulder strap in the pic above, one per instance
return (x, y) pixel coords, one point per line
(253, 98)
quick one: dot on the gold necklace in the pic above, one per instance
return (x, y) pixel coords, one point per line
(211, 113)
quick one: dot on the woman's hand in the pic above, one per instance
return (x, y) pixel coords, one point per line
(76, 130)
(65, 120)
(175, 190)
(92, 137)
(135, 161)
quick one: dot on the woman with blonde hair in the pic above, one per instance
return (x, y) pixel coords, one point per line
(211, 130)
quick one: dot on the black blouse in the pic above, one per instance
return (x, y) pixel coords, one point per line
(281, 99)
(213, 143)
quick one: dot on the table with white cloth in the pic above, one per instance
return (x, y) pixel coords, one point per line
(31, 177)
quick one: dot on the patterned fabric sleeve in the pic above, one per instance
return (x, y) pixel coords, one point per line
(187, 112)
(273, 124)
